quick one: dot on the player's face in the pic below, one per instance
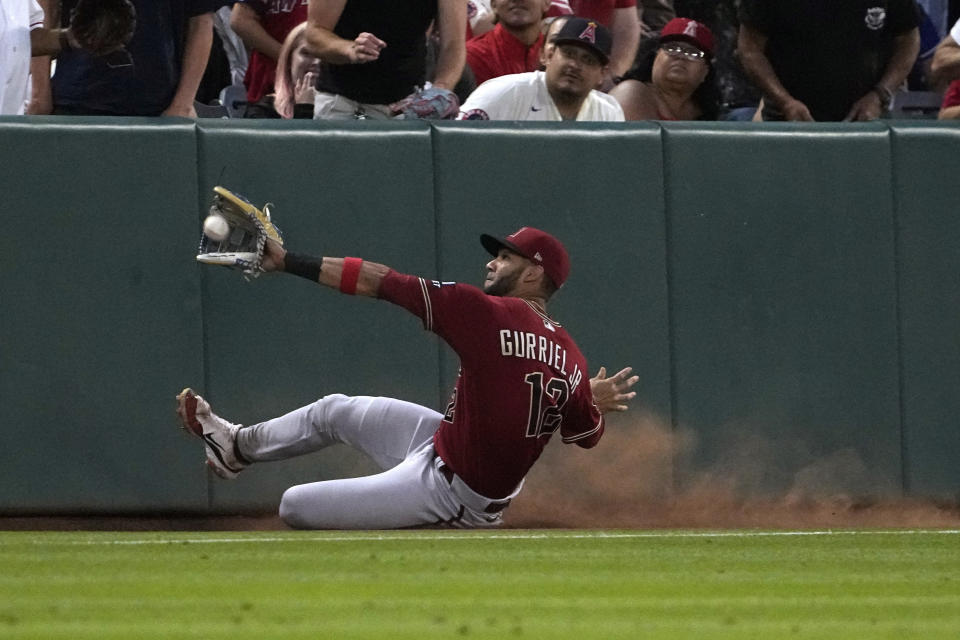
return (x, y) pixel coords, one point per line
(503, 273)
(573, 71)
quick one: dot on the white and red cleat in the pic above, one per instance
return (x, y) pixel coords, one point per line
(218, 435)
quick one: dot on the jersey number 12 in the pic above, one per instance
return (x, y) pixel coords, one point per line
(545, 417)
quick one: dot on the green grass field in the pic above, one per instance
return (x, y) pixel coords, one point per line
(502, 584)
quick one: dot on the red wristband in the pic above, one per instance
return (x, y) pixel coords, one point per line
(350, 275)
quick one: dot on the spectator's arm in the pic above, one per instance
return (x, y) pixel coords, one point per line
(41, 96)
(946, 62)
(950, 113)
(451, 16)
(625, 29)
(246, 23)
(322, 42)
(636, 100)
(196, 53)
(751, 44)
(906, 48)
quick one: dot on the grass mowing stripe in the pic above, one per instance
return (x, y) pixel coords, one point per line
(473, 535)
(894, 584)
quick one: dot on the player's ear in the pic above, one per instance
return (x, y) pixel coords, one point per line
(533, 274)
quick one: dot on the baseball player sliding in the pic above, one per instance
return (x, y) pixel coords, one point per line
(522, 378)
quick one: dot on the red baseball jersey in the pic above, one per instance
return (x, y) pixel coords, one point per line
(521, 379)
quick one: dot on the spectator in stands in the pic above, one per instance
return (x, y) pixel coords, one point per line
(168, 55)
(296, 76)
(17, 24)
(375, 54)
(481, 18)
(824, 60)
(620, 16)
(566, 90)
(263, 25)
(673, 78)
(950, 109)
(27, 43)
(513, 46)
(946, 59)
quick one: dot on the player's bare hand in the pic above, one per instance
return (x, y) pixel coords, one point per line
(273, 256)
(365, 47)
(613, 393)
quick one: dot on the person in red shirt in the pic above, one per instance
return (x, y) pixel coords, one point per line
(522, 379)
(950, 109)
(513, 46)
(263, 25)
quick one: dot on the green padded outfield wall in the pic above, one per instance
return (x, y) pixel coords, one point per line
(787, 294)
(99, 324)
(783, 294)
(926, 170)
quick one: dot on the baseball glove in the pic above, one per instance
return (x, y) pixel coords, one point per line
(249, 229)
(101, 27)
(429, 104)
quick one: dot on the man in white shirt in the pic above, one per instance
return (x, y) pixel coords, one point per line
(566, 90)
(17, 20)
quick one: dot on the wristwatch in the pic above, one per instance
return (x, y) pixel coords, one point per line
(886, 96)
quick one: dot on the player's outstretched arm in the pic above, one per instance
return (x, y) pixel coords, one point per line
(349, 275)
(613, 394)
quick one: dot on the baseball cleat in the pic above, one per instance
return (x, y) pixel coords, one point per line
(218, 435)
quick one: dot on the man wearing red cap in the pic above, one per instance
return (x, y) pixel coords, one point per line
(522, 378)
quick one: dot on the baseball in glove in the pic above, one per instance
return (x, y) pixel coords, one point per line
(433, 103)
(243, 244)
(102, 27)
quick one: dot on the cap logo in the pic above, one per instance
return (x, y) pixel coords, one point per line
(589, 34)
(538, 257)
(690, 29)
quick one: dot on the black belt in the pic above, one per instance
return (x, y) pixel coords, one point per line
(495, 506)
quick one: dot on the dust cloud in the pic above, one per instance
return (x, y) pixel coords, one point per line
(640, 476)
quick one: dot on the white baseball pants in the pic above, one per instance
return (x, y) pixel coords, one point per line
(398, 436)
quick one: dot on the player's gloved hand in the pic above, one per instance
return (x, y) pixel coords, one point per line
(433, 103)
(612, 394)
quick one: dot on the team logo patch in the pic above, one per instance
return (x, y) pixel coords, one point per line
(589, 34)
(475, 114)
(691, 30)
(875, 18)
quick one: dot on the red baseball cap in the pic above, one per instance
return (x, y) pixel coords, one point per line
(696, 33)
(537, 246)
